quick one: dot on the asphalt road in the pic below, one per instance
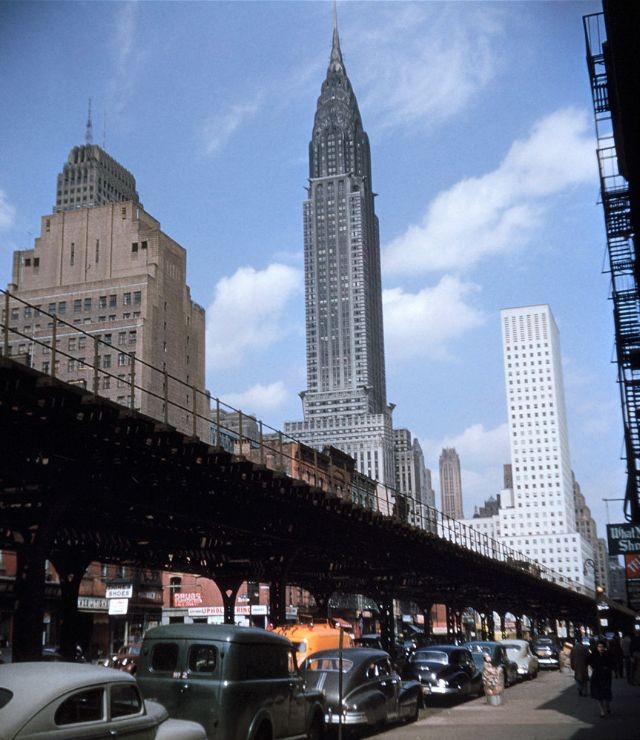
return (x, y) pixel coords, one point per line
(547, 708)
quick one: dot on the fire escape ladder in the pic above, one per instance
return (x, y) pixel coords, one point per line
(623, 267)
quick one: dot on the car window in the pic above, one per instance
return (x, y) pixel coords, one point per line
(5, 697)
(291, 663)
(124, 700)
(383, 667)
(164, 657)
(252, 662)
(202, 658)
(84, 706)
(328, 664)
(429, 656)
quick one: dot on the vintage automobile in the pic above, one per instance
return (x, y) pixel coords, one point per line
(373, 693)
(520, 652)
(59, 701)
(547, 650)
(498, 655)
(240, 683)
(445, 670)
(126, 659)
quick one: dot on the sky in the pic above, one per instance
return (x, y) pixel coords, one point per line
(483, 154)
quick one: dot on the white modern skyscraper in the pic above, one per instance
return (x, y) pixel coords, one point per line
(541, 518)
(345, 404)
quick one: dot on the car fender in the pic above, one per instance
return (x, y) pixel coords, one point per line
(371, 701)
(409, 690)
(180, 729)
(260, 719)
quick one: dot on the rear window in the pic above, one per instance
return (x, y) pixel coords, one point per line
(328, 664)
(429, 656)
(164, 657)
(125, 700)
(85, 706)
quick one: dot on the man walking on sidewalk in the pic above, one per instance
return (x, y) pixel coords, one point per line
(579, 658)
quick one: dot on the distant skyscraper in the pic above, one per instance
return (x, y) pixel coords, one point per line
(451, 483)
(345, 403)
(413, 480)
(542, 519)
(90, 177)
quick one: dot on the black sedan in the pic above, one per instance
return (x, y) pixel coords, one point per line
(445, 670)
(547, 651)
(499, 657)
(372, 692)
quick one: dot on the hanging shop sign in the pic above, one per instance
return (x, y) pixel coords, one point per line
(623, 538)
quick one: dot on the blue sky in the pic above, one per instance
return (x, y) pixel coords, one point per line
(483, 150)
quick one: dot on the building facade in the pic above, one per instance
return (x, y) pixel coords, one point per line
(345, 402)
(125, 324)
(451, 483)
(413, 480)
(541, 522)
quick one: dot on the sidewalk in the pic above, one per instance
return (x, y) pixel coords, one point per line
(547, 708)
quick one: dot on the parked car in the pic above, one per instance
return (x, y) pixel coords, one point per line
(445, 670)
(372, 640)
(240, 683)
(498, 655)
(372, 692)
(59, 701)
(520, 652)
(126, 659)
(52, 653)
(547, 650)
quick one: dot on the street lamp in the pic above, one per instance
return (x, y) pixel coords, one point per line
(599, 593)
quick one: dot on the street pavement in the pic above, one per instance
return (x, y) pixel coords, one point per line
(547, 708)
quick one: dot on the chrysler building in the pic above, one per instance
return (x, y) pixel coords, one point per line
(345, 403)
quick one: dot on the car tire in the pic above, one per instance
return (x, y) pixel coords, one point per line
(316, 728)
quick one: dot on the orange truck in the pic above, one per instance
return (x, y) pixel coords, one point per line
(310, 637)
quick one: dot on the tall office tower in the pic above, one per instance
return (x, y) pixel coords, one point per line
(587, 527)
(345, 403)
(451, 483)
(111, 272)
(413, 480)
(541, 521)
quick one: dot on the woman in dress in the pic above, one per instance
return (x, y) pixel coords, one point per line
(601, 673)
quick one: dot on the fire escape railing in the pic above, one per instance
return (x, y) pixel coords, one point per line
(623, 268)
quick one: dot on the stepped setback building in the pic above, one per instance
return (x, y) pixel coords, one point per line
(345, 403)
(451, 483)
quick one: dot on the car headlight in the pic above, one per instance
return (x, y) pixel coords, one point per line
(442, 683)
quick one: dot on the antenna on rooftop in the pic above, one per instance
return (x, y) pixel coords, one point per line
(89, 132)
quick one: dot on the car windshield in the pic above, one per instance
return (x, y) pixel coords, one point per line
(328, 664)
(511, 646)
(479, 647)
(429, 656)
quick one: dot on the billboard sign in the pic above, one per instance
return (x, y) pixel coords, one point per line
(623, 538)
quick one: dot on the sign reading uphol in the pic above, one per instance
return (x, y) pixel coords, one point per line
(623, 538)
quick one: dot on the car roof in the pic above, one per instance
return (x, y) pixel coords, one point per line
(441, 648)
(217, 632)
(43, 681)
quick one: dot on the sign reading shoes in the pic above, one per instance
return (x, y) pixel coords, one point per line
(119, 592)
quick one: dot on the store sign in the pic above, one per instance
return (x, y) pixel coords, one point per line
(623, 538)
(259, 610)
(118, 606)
(150, 595)
(91, 603)
(206, 611)
(119, 592)
(187, 598)
(632, 565)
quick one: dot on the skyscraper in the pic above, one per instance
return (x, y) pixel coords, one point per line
(451, 483)
(541, 521)
(345, 403)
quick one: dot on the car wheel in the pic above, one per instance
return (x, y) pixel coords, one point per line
(415, 714)
(316, 729)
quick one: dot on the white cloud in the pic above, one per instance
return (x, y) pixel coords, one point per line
(420, 324)
(128, 55)
(259, 398)
(7, 212)
(248, 312)
(220, 127)
(498, 212)
(424, 62)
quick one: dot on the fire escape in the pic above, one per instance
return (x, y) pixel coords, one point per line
(623, 266)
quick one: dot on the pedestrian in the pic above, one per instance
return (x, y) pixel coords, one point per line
(625, 644)
(492, 681)
(580, 665)
(634, 648)
(601, 675)
(617, 656)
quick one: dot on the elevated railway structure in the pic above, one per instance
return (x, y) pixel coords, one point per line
(85, 479)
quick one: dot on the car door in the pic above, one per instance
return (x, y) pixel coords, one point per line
(389, 683)
(298, 702)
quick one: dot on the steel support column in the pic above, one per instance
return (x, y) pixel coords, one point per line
(387, 623)
(491, 626)
(519, 627)
(71, 568)
(229, 588)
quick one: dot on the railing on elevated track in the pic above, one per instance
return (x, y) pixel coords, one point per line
(220, 425)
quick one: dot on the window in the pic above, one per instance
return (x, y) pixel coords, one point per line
(125, 700)
(164, 657)
(113, 300)
(202, 658)
(87, 304)
(77, 305)
(126, 299)
(102, 301)
(122, 338)
(134, 247)
(137, 297)
(85, 706)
